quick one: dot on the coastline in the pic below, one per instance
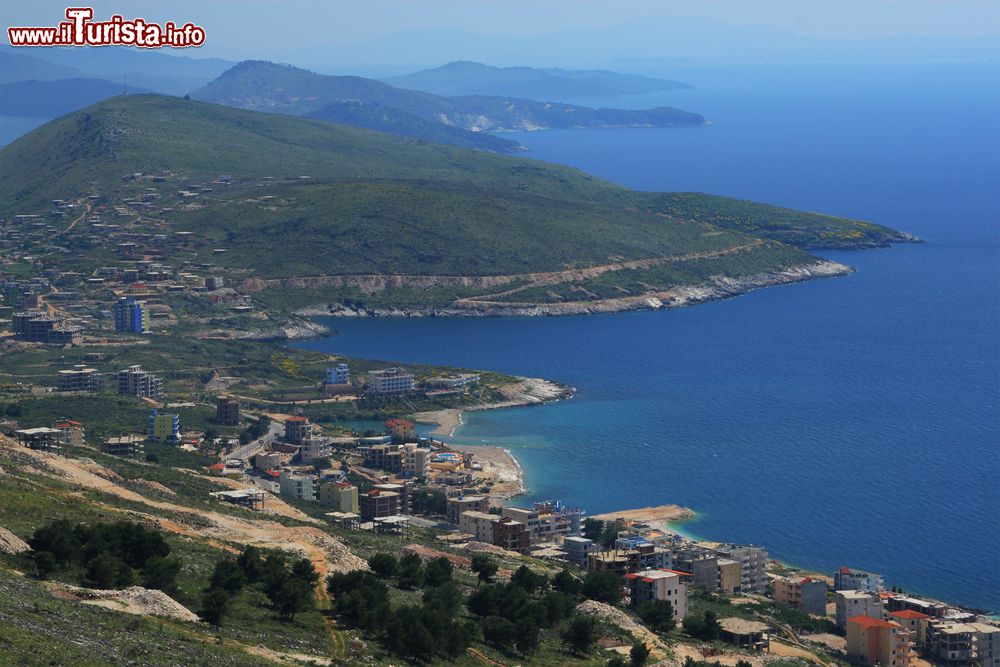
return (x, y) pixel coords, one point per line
(716, 288)
(499, 464)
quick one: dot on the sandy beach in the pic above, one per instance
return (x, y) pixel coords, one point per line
(659, 517)
(447, 421)
(499, 466)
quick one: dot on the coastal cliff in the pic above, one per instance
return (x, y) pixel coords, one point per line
(717, 287)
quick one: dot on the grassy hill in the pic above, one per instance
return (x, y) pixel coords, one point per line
(312, 199)
(265, 86)
(463, 77)
(388, 119)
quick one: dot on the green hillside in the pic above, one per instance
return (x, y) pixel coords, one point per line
(311, 199)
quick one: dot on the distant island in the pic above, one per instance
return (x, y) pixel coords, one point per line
(265, 86)
(297, 213)
(464, 77)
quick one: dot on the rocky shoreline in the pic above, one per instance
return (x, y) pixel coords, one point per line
(718, 287)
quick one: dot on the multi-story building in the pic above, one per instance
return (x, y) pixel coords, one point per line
(164, 427)
(497, 530)
(400, 431)
(314, 449)
(703, 566)
(578, 549)
(851, 603)
(650, 585)
(297, 429)
(227, 411)
(71, 433)
(753, 564)
(730, 575)
(547, 521)
(339, 496)
(901, 602)
(339, 374)
(987, 644)
(848, 579)
(455, 505)
(377, 504)
(416, 461)
(950, 643)
(296, 486)
(384, 457)
(873, 641)
(134, 381)
(130, 315)
(390, 381)
(803, 593)
(40, 327)
(913, 621)
(402, 490)
(622, 561)
(79, 378)
(127, 445)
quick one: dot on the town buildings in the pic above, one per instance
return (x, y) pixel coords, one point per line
(851, 603)
(227, 411)
(40, 327)
(164, 427)
(950, 643)
(339, 374)
(297, 429)
(456, 505)
(548, 521)
(666, 585)
(578, 549)
(314, 449)
(296, 486)
(379, 503)
(501, 531)
(130, 315)
(987, 644)
(390, 381)
(753, 565)
(848, 579)
(126, 445)
(79, 378)
(134, 381)
(71, 433)
(873, 641)
(803, 593)
(339, 496)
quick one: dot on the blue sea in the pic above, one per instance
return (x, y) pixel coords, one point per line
(848, 421)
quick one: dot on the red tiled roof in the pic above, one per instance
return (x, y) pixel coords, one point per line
(683, 574)
(648, 580)
(295, 419)
(908, 614)
(845, 570)
(217, 466)
(867, 623)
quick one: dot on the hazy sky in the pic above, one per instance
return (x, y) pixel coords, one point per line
(288, 29)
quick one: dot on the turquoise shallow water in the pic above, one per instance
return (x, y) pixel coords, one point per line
(844, 421)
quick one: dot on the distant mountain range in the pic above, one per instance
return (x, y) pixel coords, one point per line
(265, 86)
(464, 77)
(144, 69)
